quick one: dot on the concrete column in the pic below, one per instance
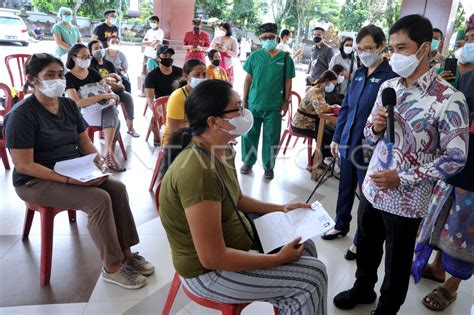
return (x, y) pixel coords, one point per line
(175, 17)
(441, 13)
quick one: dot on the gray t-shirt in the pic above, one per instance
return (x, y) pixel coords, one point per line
(119, 60)
(52, 137)
(320, 59)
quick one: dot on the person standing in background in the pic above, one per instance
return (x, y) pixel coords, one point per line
(196, 42)
(321, 55)
(436, 58)
(228, 48)
(103, 31)
(267, 91)
(153, 38)
(284, 44)
(65, 34)
(345, 58)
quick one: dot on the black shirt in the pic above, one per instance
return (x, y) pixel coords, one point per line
(52, 137)
(103, 31)
(464, 179)
(104, 69)
(162, 83)
(72, 82)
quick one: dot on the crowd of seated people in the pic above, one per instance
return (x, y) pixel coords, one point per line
(206, 221)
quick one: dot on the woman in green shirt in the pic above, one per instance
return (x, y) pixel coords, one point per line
(65, 34)
(210, 239)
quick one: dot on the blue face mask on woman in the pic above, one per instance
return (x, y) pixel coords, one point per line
(329, 88)
(468, 52)
(269, 44)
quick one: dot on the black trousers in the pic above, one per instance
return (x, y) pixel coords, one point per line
(399, 234)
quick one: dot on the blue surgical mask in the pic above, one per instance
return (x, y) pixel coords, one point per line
(195, 81)
(67, 18)
(434, 44)
(329, 88)
(269, 44)
(467, 53)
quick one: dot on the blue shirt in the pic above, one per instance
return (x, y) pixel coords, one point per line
(356, 107)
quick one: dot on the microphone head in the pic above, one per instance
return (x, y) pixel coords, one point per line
(389, 97)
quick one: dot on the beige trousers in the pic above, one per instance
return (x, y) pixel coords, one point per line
(110, 219)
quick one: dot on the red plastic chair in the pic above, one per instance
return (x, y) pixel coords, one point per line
(92, 129)
(156, 170)
(158, 118)
(288, 132)
(226, 309)
(7, 105)
(16, 67)
(47, 228)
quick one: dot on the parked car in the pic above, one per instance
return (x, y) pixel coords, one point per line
(13, 29)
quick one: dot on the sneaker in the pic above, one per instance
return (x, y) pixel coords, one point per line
(126, 277)
(245, 169)
(268, 174)
(140, 264)
(349, 299)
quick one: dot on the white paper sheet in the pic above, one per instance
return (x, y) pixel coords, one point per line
(82, 169)
(277, 229)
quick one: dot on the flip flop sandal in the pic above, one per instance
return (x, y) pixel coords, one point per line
(113, 165)
(439, 303)
(428, 274)
(133, 133)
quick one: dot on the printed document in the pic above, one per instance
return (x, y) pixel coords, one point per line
(277, 229)
(82, 169)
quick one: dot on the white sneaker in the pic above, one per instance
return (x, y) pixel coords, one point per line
(126, 277)
(140, 264)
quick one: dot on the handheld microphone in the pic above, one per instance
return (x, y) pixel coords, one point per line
(389, 99)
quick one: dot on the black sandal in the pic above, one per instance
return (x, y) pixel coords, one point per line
(438, 302)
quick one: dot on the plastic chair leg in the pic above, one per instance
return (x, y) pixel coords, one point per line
(296, 141)
(47, 228)
(148, 134)
(72, 215)
(29, 214)
(122, 147)
(6, 163)
(156, 171)
(310, 154)
(287, 143)
(172, 294)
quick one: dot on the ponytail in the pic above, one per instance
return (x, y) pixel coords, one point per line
(177, 142)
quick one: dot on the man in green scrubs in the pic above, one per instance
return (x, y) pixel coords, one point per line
(267, 91)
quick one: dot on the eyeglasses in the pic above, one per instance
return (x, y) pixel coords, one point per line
(240, 109)
(84, 57)
(269, 37)
(365, 49)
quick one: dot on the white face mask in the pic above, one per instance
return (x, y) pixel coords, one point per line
(84, 64)
(153, 25)
(220, 33)
(289, 41)
(348, 49)
(369, 58)
(340, 79)
(403, 65)
(241, 123)
(113, 20)
(195, 81)
(53, 88)
(114, 47)
(467, 53)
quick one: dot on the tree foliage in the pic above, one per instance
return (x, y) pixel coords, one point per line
(86, 8)
(358, 13)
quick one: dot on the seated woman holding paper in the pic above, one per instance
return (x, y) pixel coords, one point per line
(94, 91)
(210, 238)
(107, 71)
(46, 128)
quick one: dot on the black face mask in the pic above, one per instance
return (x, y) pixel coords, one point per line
(196, 29)
(317, 39)
(216, 62)
(166, 62)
